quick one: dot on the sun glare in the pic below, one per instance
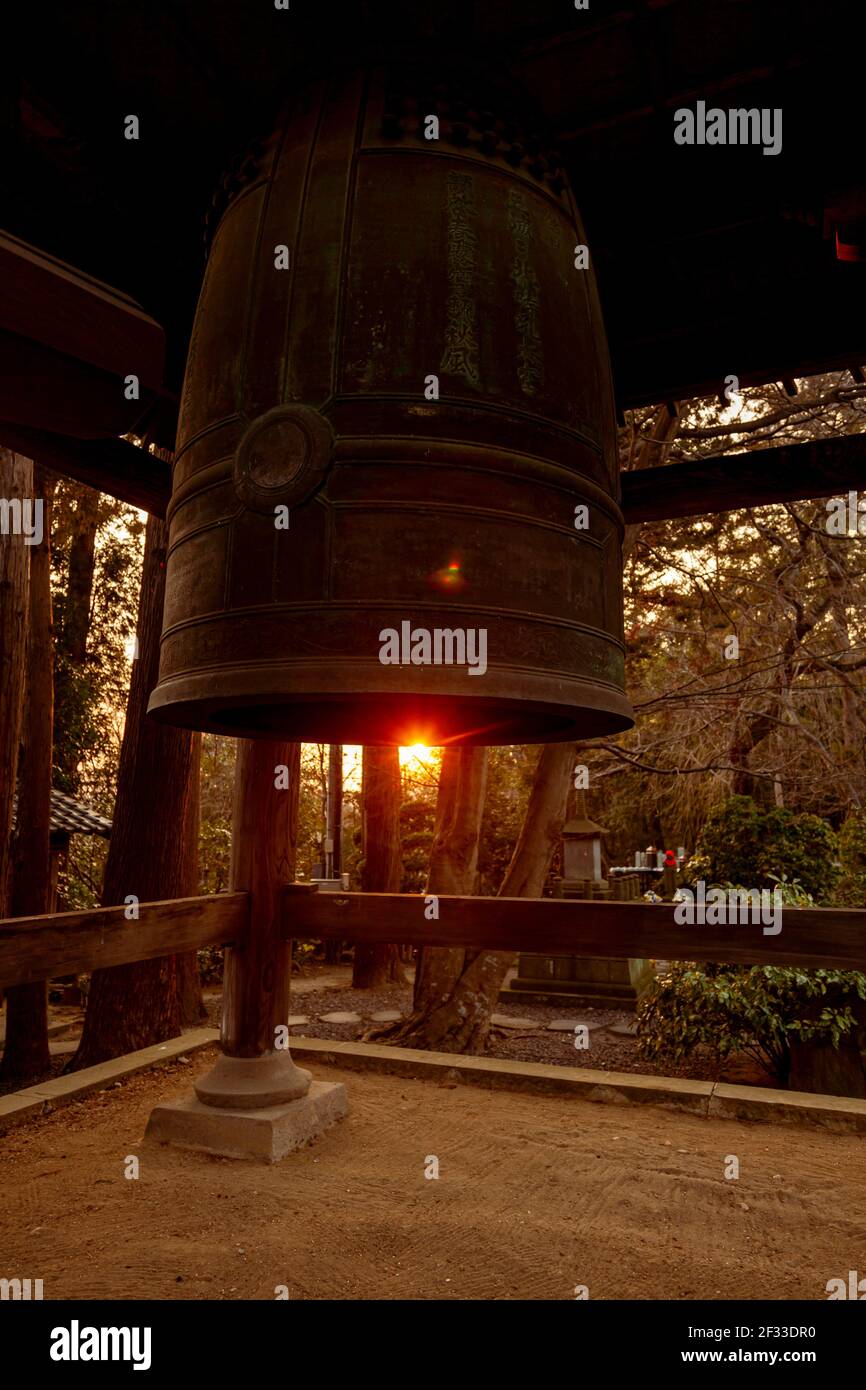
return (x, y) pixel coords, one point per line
(417, 752)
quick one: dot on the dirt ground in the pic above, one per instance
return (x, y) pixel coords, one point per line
(535, 1196)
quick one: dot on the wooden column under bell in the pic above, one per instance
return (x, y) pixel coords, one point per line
(256, 1068)
(255, 1103)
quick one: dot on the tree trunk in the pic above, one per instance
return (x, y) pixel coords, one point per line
(843, 588)
(333, 953)
(453, 866)
(378, 965)
(26, 1056)
(457, 991)
(71, 645)
(190, 1002)
(16, 480)
(477, 992)
(152, 852)
(655, 442)
(453, 869)
(827, 1070)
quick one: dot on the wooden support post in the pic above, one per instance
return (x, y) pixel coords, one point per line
(257, 1103)
(256, 1069)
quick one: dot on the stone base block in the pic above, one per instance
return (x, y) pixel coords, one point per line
(267, 1135)
(588, 981)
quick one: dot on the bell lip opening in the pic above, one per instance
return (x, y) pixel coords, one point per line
(372, 719)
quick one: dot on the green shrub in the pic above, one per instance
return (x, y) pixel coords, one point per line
(303, 953)
(739, 843)
(756, 1010)
(210, 964)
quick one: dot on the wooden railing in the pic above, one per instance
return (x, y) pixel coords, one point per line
(66, 943)
(830, 937)
(39, 948)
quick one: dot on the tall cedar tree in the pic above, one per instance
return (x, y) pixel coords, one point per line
(72, 634)
(16, 480)
(375, 964)
(26, 1055)
(153, 852)
(456, 990)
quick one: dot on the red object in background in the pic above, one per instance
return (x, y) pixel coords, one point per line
(850, 244)
(670, 859)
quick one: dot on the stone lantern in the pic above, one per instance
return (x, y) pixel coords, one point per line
(585, 980)
(581, 852)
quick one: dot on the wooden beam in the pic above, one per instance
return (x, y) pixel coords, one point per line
(723, 482)
(720, 483)
(112, 466)
(68, 312)
(66, 943)
(809, 936)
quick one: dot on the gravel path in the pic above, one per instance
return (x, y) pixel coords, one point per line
(607, 1051)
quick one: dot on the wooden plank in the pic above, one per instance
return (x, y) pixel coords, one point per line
(113, 466)
(66, 943)
(67, 311)
(787, 473)
(828, 937)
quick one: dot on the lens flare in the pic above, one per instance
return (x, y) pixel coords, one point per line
(451, 576)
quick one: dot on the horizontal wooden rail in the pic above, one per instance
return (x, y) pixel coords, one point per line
(39, 948)
(830, 937)
(68, 943)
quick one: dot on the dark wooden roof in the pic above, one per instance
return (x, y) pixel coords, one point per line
(711, 260)
(70, 817)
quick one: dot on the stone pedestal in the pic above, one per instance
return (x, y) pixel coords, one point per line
(266, 1134)
(252, 1083)
(255, 1103)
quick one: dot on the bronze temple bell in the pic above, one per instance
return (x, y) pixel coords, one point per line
(394, 514)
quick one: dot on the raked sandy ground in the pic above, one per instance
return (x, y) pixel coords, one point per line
(536, 1195)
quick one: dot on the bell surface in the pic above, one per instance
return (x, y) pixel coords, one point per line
(394, 515)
